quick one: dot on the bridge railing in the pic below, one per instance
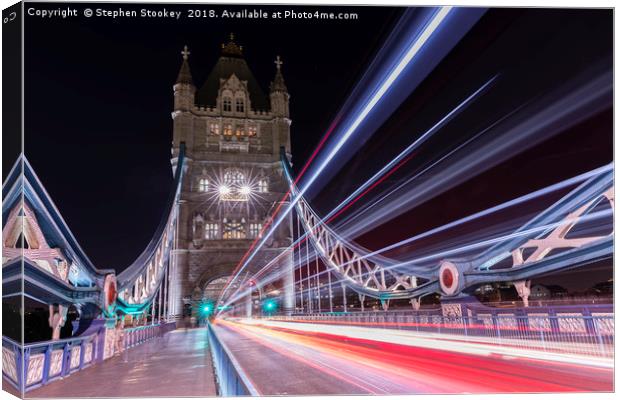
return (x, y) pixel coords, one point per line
(141, 334)
(36, 364)
(231, 380)
(585, 335)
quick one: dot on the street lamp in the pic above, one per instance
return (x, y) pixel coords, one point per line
(223, 190)
(245, 190)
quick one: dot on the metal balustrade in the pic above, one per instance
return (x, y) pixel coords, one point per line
(140, 334)
(231, 380)
(36, 364)
(571, 333)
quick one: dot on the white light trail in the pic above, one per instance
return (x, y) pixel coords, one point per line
(387, 84)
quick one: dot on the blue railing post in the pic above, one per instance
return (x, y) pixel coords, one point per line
(66, 360)
(82, 349)
(21, 369)
(26, 366)
(46, 364)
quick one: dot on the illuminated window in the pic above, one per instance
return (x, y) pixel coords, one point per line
(211, 231)
(252, 130)
(263, 186)
(240, 105)
(228, 130)
(234, 229)
(227, 104)
(214, 128)
(255, 229)
(203, 185)
(234, 178)
(240, 131)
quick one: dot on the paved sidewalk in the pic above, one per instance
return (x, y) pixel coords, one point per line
(178, 364)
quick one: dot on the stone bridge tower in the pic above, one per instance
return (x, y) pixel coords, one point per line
(233, 133)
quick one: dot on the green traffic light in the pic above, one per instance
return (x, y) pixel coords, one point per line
(270, 305)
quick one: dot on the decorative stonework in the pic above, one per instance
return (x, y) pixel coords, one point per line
(487, 320)
(451, 310)
(604, 323)
(56, 363)
(88, 353)
(75, 357)
(571, 322)
(507, 321)
(109, 341)
(35, 368)
(9, 364)
(539, 321)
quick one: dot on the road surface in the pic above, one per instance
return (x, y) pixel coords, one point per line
(285, 359)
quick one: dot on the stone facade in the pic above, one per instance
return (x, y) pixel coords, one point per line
(234, 180)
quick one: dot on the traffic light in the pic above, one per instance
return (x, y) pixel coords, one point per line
(270, 305)
(206, 308)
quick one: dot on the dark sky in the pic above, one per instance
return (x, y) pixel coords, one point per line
(99, 97)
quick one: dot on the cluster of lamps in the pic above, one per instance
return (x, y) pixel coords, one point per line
(224, 190)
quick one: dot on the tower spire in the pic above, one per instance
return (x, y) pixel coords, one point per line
(232, 49)
(278, 84)
(185, 75)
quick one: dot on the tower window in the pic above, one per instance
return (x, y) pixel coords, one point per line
(255, 229)
(234, 177)
(227, 104)
(234, 229)
(211, 231)
(214, 128)
(252, 130)
(240, 105)
(228, 130)
(203, 185)
(263, 185)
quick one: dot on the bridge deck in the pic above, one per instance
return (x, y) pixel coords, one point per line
(178, 364)
(291, 361)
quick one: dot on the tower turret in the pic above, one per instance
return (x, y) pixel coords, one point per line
(279, 97)
(279, 93)
(184, 89)
(184, 96)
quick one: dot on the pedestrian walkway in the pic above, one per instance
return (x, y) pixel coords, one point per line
(178, 364)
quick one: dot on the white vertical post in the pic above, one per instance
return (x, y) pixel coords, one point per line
(248, 305)
(301, 280)
(329, 282)
(310, 300)
(153, 311)
(159, 308)
(318, 282)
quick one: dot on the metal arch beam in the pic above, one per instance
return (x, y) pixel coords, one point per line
(352, 265)
(355, 270)
(574, 258)
(575, 204)
(43, 286)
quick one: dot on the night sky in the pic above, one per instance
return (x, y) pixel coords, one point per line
(99, 97)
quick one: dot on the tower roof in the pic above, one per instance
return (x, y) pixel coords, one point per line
(231, 62)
